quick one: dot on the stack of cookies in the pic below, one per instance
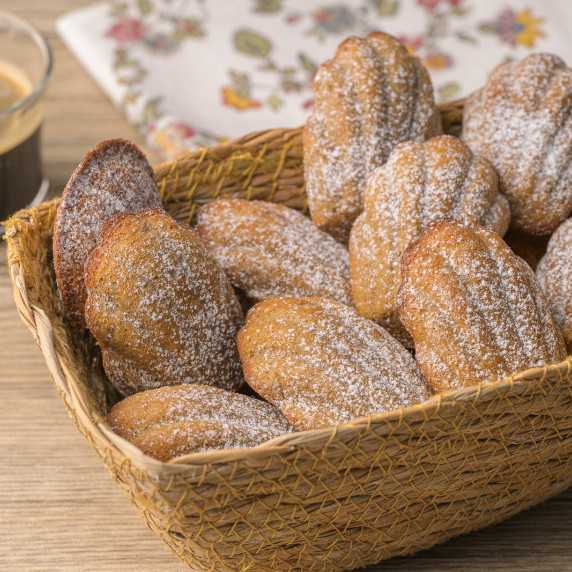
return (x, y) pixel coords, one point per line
(400, 285)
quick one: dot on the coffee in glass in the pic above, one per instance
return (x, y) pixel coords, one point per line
(25, 68)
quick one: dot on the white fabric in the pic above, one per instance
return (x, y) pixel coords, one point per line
(171, 63)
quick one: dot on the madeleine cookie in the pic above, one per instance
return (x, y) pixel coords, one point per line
(473, 308)
(521, 122)
(419, 184)
(371, 96)
(268, 250)
(113, 177)
(160, 307)
(172, 421)
(322, 364)
(554, 273)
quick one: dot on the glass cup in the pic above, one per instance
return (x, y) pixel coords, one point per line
(26, 64)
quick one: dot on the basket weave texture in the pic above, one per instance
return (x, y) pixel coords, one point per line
(331, 499)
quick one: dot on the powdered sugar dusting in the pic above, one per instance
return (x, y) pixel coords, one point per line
(420, 183)
(522, 122)
(113, 177)
(323, 364)
(269, 250)
(554, 273)
(160, 306)
(370, 97)
(332, 146)
(474, 308)
(172, 421)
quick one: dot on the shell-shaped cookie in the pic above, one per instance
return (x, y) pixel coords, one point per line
(113, 177)
(160, 307)
(420, 184)
(371, 96)
(554, 273)
(268, 250)
(521, 121)
(322, 364)
(172, 421)
(474, 309)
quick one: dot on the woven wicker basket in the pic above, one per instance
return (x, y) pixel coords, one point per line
(331, 499)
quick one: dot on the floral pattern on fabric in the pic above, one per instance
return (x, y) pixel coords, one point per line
(274, 48)
(516, 27)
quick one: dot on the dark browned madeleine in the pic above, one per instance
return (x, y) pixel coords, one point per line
(554, 273)
(322, 364)
(371, 96)
(160, 307)
(172, 421)
(113, 177)
(420, 183)
(269, 250)
(521, 122)
(473, 308)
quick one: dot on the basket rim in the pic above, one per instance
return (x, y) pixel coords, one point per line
(255, 139)
(40, 325)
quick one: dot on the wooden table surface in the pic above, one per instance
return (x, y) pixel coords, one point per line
(59, 509)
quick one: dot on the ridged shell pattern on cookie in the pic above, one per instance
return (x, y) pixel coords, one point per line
(172, 421)
(521, 120)
(269, 250)
(114, 176)
(473, 308)
(554, 273)
(420, 184)
(160, 307)
(371, 96)
(322, 364)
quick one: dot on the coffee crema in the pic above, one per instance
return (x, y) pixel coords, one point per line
(12, 87)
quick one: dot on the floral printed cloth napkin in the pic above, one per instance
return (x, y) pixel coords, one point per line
(191, 73)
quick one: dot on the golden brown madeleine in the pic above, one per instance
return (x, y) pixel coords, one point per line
(322, 364)
(419, 184)
(554, 273)
(530, 247)
(172, 421)
(474, 309)
(268, 250)
(371, 96)
(160, 307)
(521, 121)
(113, 177)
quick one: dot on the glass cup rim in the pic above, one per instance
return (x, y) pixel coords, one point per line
(46, 50)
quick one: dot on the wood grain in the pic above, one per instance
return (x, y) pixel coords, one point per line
(59, 510)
